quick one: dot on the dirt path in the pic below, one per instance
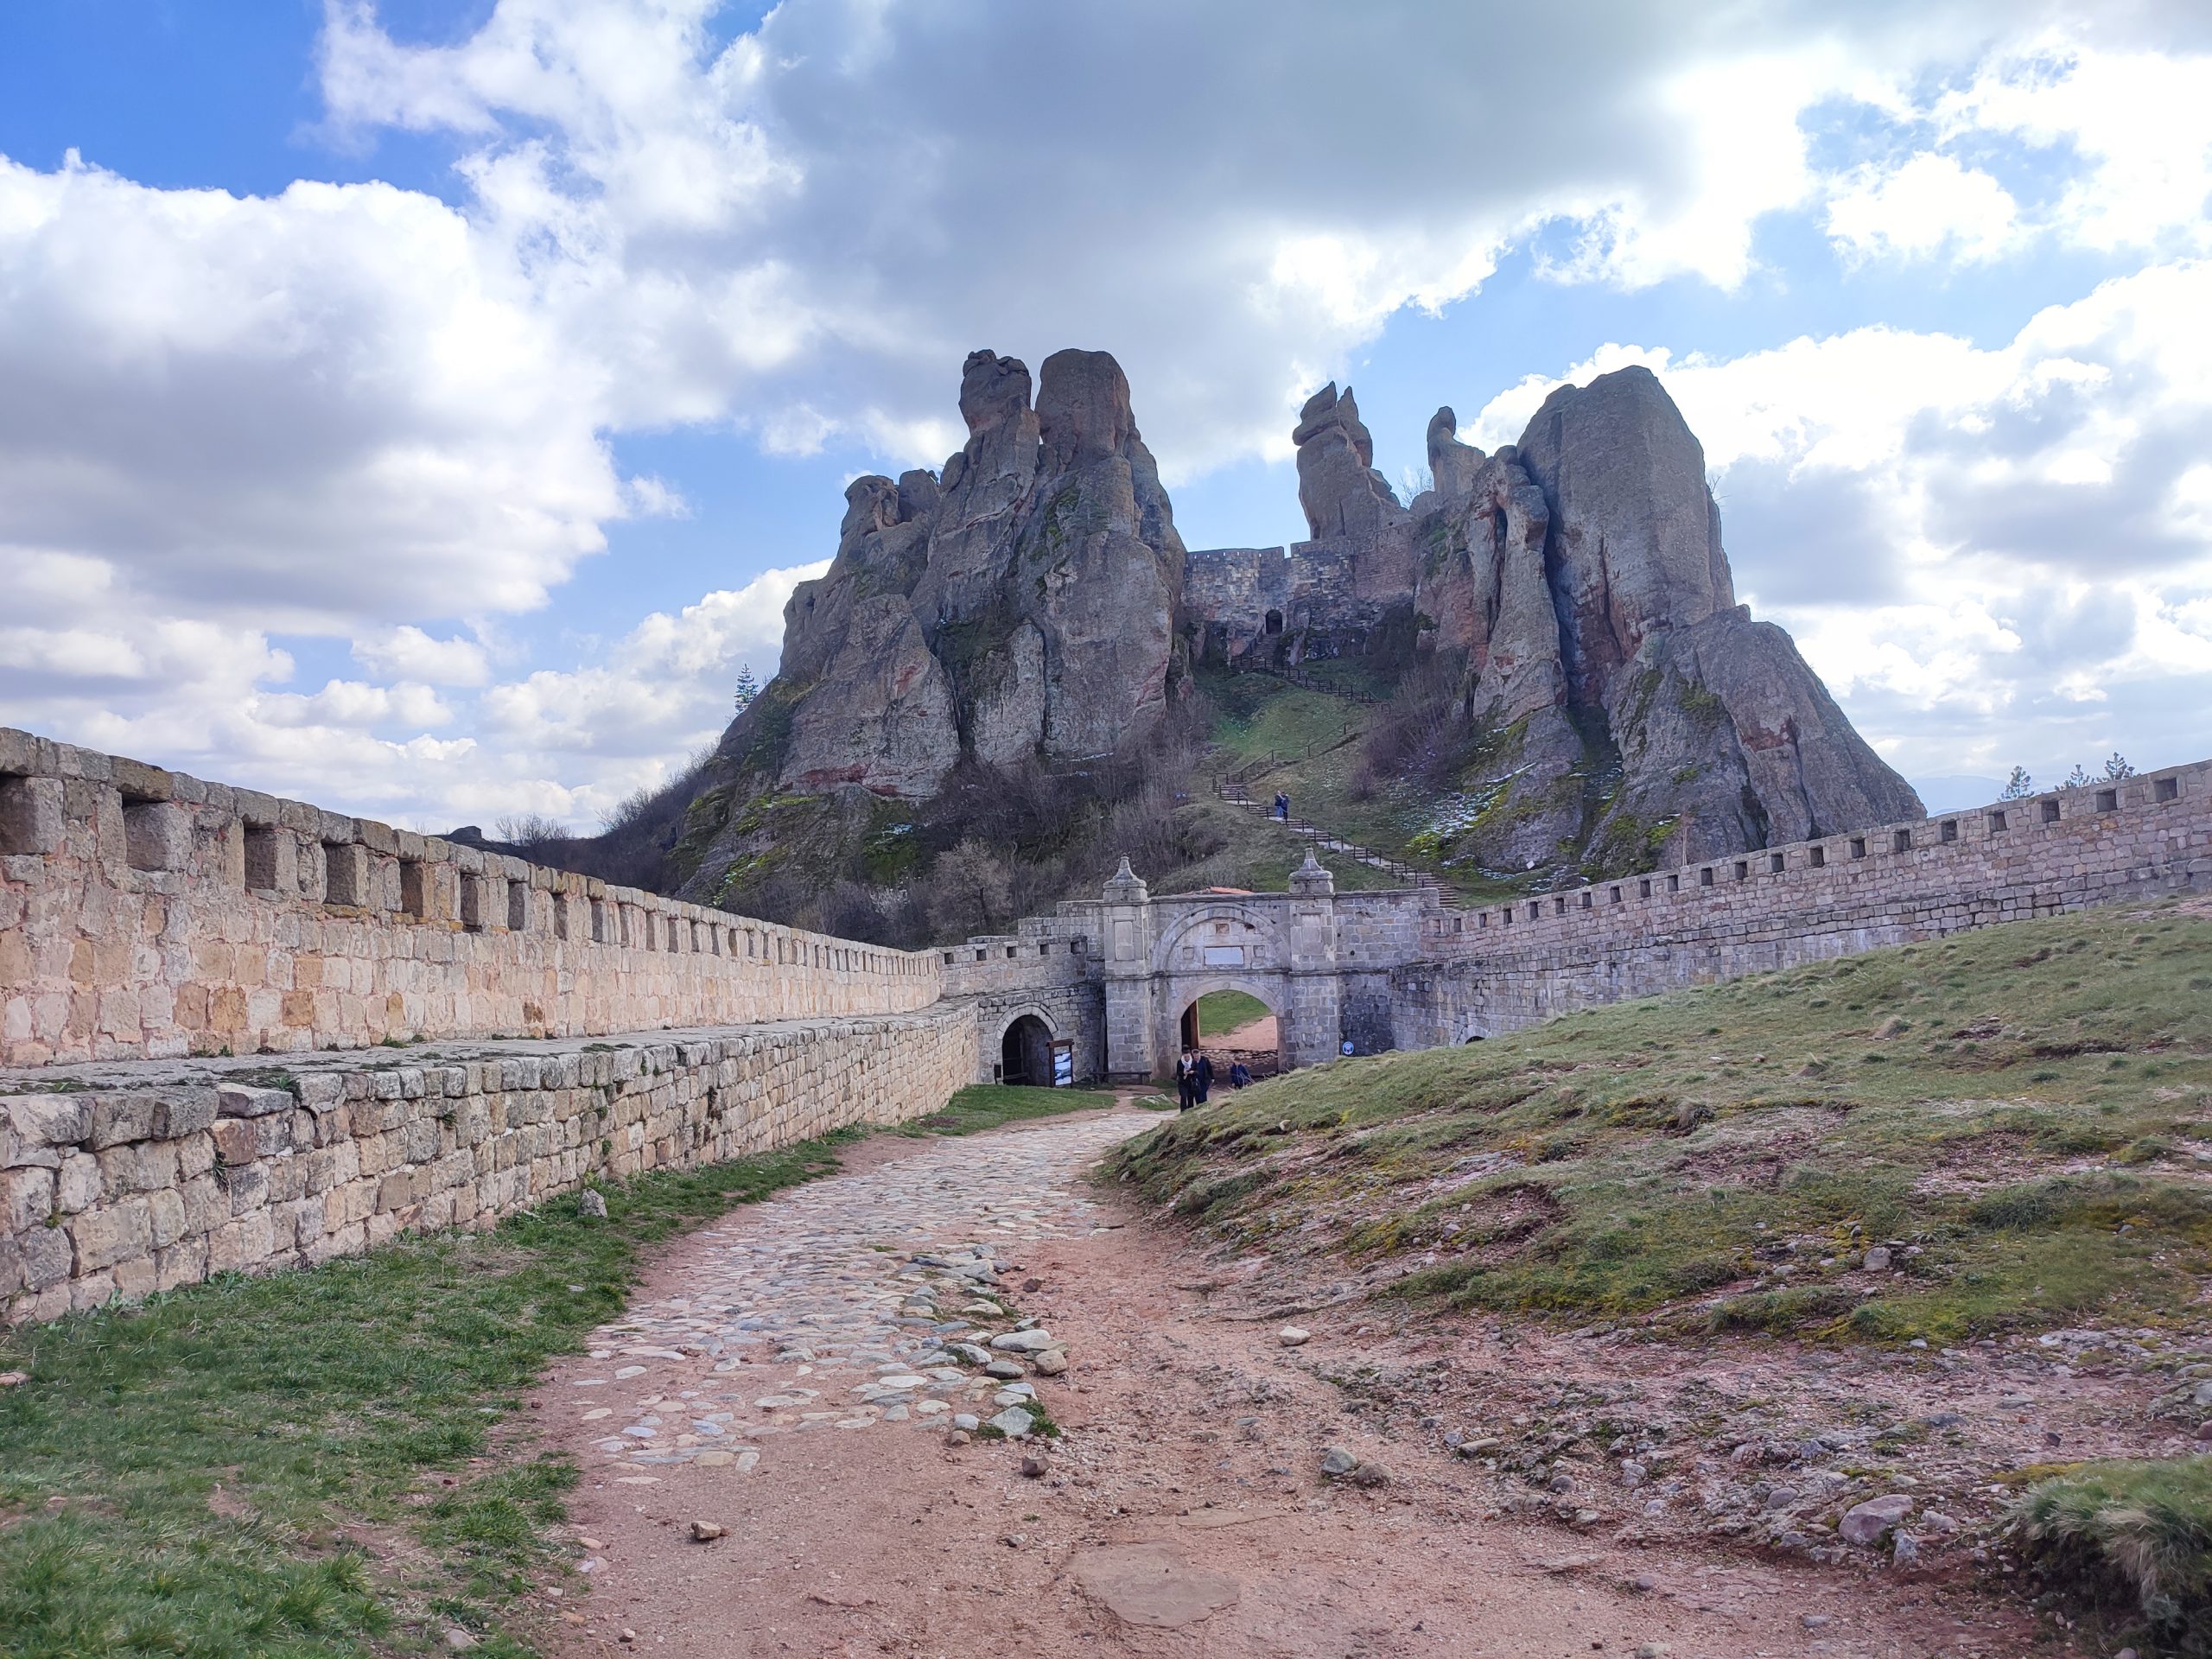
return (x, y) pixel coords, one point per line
(780, 1379)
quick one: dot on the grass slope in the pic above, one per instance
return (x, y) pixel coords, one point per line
(993, 1105)
(2021, 1118)
(1256, 714)
(1222, 1012)
(2017, 1113)
(306, 1464)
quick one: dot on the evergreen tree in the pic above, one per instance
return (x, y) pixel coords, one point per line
(2077, 778)
(2019, 786)
(747, 687)
(2117, 768)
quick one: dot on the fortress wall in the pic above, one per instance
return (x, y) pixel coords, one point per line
(108, 1191)
(147, 913)
(1506, 966)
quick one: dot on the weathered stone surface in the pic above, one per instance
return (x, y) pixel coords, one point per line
(1022, 603)
(1867, 1523)
(1580, 578)
(1153, 1585)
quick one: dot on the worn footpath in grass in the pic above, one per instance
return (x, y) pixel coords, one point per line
(296, 1465)
(2022, 1115)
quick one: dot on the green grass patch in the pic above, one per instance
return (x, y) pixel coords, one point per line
(1222, 1012)
(993, 1105)
(2136, 1537)
(1724, 1156)
(258, 1465)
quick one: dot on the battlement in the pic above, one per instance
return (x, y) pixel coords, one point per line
(1504, 966)
(146, 913)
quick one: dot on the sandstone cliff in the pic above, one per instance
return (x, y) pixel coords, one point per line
(1621, 701)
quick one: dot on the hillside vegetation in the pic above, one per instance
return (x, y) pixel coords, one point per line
(1964, 1151)
(2021, 1118)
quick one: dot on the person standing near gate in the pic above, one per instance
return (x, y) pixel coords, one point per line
(1202, 1076)
(1186, 1082)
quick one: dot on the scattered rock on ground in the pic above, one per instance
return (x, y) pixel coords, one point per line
(1865, 1524)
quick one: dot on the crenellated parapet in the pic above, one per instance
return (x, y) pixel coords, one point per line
(147, 913)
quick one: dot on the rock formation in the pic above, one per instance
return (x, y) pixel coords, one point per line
(1626, 703)
(1021, 602)
(1611, 704)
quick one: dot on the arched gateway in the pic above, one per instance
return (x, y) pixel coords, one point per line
(1111, 978)
(1321, 961)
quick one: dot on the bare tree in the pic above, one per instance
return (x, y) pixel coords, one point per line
(971, 889)
(529, 830)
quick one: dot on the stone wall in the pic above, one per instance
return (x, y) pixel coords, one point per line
(147, 913)
(123, 1179)
(1313, 600)
(1494, 970)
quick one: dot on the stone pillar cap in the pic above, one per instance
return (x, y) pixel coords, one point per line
(1127, 886)
(1312, 876)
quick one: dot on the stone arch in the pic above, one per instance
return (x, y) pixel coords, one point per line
(1255, 928)
(1184, 991)
(1025, 1050)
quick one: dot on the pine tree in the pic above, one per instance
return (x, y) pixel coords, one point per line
(2077, 778)
(2019, 786)
(747, 687)
(2117, 768)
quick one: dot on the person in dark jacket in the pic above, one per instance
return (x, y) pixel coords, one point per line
(1186, 1083)
(1202, 1075)
(1239, 1075)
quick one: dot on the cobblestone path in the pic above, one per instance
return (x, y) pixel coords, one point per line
(868, 1301)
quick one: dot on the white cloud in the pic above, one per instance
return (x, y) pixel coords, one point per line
(1997, 554)
(407, 652)
(359, 413)
(1928, 204)
(2138, 125)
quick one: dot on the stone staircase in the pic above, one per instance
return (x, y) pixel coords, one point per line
(1232, 790)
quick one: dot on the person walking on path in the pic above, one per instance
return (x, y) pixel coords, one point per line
(1202, 1076)
(1186, 1082)
(1282, 806)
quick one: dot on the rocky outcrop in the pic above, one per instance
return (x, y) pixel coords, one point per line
(1616, 706)
(1348, 503)
(1624, 706)
(1020, 602)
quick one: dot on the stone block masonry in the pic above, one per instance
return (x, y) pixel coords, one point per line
(123, 1179)
(1485, 971)
(144, 913)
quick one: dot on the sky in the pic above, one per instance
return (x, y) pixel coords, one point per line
(424, 408)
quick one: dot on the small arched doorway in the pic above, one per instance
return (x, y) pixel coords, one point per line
(1233, 1028)
(1026, 1052)
(1275, 622)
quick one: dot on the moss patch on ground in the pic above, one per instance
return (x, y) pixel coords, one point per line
(312, 1463)
(2016, 1116)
